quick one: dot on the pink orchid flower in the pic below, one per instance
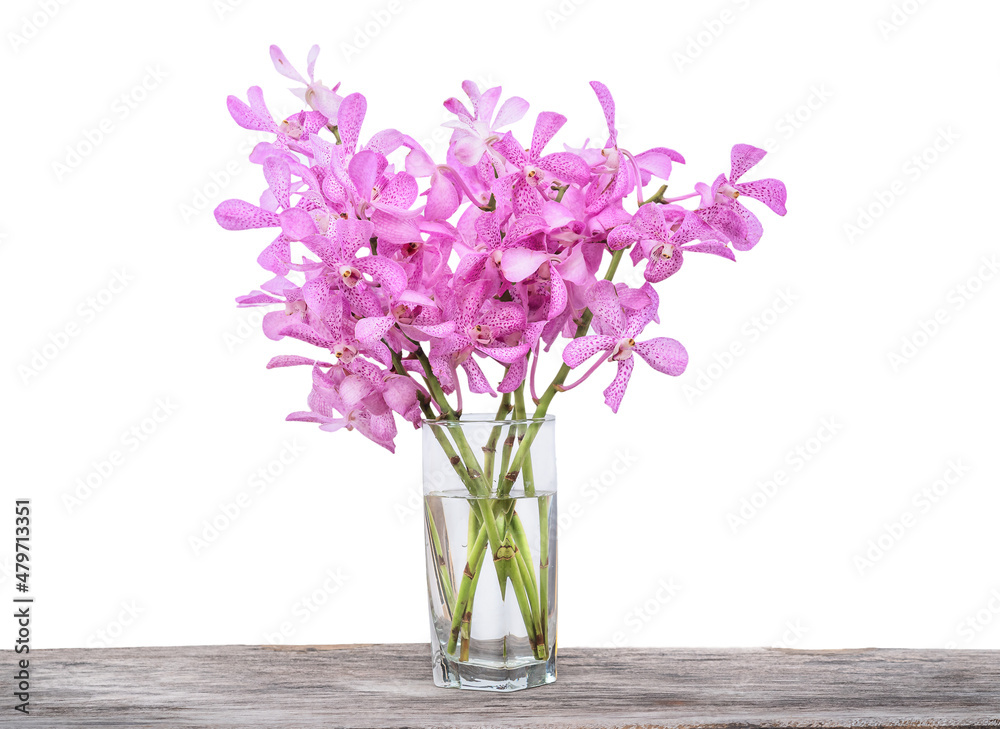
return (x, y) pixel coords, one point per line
(618, 342)
(477, 132)
(722, 197)
(662, 235)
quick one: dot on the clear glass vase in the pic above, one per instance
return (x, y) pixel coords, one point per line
(490, 518)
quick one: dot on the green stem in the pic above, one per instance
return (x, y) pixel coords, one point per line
(521, 413)
(472, 569)
(467, 620)
(449, 593)
(543, 566)
(657, 196)
(490, 449)
(521, 539)
(524, 570)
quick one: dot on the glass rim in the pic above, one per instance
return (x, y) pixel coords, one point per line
(485, 419)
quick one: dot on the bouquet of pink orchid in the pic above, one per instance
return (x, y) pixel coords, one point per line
(498, 261)
(419, 280)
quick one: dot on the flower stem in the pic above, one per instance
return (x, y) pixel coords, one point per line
(472, 568)
(490, 449)
(446, 582)
(588, 373)
(543, 566)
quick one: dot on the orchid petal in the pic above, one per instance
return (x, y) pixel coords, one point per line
(664, 355)
(614, 392)
(519, 263)
(743, 157)
(241, 215)
(581, 349)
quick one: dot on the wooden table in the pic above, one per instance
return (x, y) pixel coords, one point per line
(390, 686)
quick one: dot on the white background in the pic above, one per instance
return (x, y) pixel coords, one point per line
(845, 95)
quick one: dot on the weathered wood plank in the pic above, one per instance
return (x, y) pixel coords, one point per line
(390, 686)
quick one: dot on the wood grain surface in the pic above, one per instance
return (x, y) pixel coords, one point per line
(362, 686)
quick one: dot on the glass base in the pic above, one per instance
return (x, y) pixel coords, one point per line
(475, 675)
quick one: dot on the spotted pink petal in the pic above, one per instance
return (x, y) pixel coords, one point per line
(275, 258)
(525, 198)
(559, 295)
(515, 375)
(728, 221)
(386, 272)
(692, 228)
(752, 229)
(400, 192)
(303, 332)
(350, 116)
(257, 298)
(510, 149)
(608, 105)
(478, 383)
(614, 392)
(241, 215)
(273, 323)
(524, 227)
(505, 318)
(603, 302)
(328, 423)
(371, 329)
(293, 360)
(599, 197)
(433, 331)
(623, 236)
(743, 157)
(400, 394)
(380, 429)
(279, 179)
(546, 127)
(487, 229)
(352, 234)
(386, 141)
(771, 192)
(507, 355)
(714, 247)
(581, 349)
(317, 295)
(664, 355)
(363, 169)
(659, 269)
(297, 224)
(566, 167)
(249, 118)
(651, 224)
